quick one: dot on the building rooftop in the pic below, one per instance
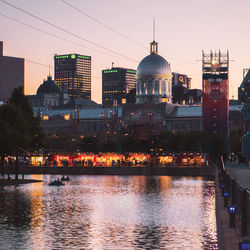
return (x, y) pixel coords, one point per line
(48, 87)
(90, 113)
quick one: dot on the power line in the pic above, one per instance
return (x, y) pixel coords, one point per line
(50, 34)
(103, 24)
(44, 65)
(66, 31)
(115, 31)
(50, 67)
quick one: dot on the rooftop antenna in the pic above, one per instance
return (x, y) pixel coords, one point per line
(49, 70)
(154, 30)
(154, 44)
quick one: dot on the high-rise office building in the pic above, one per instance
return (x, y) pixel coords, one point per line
(116, 83)
(11, 74)
(73, 74)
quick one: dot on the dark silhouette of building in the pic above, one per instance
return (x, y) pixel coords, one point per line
(244, 98)
(131, 97)
(179, 93)
(11, 74)
(181, 84)
(116, 84)
(49, 94)
(73, 74)
(181, 80)
(193, 97)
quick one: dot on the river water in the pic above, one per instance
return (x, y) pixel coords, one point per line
(109, 212)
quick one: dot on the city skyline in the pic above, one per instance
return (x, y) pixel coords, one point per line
(183, 30)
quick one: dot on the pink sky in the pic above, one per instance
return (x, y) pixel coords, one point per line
(183, 29)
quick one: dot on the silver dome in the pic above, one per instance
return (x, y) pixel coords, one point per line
(154, 65)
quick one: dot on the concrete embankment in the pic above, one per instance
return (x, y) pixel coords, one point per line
(6, 182)
(171, 171)
(229, 237)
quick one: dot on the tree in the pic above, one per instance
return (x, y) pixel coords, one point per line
(34, 122)
(15, 131)
(21, 130)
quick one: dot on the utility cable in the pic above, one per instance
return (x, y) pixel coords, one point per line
(103, 24)
(51, 34)
(66, 31)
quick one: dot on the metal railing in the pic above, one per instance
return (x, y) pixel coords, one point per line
(238, 196)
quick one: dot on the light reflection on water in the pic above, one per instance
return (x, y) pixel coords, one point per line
(109, 212)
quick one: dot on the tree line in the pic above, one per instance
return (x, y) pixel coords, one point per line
(21, 130)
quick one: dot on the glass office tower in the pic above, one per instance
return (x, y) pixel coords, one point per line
(73, 75)
(116, 83)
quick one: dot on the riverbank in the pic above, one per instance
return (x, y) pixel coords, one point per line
(13, 182)
(170, 171)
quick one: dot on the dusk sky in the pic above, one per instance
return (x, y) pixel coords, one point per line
(183, 29)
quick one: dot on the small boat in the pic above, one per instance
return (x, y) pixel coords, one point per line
(65, 178)
(56, 183)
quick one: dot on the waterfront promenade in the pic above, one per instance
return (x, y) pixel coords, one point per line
(230, 237)
(153, 170)
(241, 172)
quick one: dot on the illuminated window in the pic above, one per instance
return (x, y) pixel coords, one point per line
(66, 117)
(45, 117)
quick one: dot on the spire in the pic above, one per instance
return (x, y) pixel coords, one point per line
(154, 31)
(154, 44)
(49, 70)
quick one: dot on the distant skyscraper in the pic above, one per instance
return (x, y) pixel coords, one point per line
(215, 92)
(73, 74)
(11, 74)
(116, 83)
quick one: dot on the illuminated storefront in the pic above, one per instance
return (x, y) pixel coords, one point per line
(109, 160)
(163, 159)
(138, 158)
(36, 160)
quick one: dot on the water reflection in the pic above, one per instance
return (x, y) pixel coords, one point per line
(109, 212)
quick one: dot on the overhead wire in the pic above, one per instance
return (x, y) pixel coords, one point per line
(115, 31)
(103, 24)
(68, 32)
(51, 34)
(62, 29)
(84, 13)
(50, 67)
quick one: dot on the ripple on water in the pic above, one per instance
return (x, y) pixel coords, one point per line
(110, 212)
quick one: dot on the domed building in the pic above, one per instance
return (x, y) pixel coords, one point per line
(49, 94)
(154, 78)
(49, 87)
